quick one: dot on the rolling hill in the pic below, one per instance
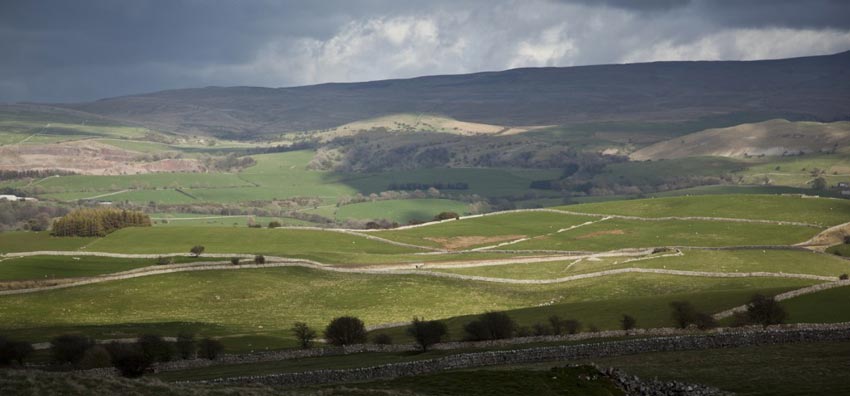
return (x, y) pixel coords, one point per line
(808, 88)
(769, 138)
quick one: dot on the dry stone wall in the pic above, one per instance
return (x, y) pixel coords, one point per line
(727, 339)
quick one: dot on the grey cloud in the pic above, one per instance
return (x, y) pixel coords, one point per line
(58, 50)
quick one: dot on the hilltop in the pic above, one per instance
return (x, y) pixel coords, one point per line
(808, 88)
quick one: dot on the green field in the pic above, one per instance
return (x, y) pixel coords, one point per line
(33, 241)
(823, 211)
(828, 306)
(215, 302)
(777, 261)
(776, 370)
(401, 211)
(330, 247)
(497, 227)
(617, 234)
(52, 267)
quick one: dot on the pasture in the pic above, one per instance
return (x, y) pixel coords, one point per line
(214, 302)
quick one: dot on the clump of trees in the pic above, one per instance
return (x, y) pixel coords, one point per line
(427, 332)
(27, 215)
(490, 326)
(13, 351)
(91, 222)
(761, 310)
(345, 330)
(684, 314)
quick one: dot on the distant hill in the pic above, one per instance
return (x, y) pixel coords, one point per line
(811, 88)
(770, 138)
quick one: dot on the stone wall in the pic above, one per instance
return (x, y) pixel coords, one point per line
(727, 339)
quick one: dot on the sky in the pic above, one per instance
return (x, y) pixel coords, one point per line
(68, 51)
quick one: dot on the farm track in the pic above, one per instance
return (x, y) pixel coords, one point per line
(421, 269)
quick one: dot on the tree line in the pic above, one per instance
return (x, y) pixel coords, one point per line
(89, 222)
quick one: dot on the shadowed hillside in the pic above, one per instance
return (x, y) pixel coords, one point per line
(809, 88)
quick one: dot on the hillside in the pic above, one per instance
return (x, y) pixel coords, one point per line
(809, 88)
(769, 138)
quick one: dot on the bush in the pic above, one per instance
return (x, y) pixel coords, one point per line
(130, 359)
(842, 277)
(197, 250)
(275, 224)
(185, 346)
(572, 326)
(155, 348)
(446, 216)
(705, 321)
(537, 329)
(96, 357)
(234, 260)
(683, 313)
(557, 324)
(304, 334)
(382, 339)
(14, 351)
(427, 333)
(209, 348)
(345, 330)
(765, 311)
(628, 322)
(259, 259)
(69, 348)
(490, 326)
(164, 260)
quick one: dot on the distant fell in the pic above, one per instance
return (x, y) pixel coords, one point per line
(810, 88)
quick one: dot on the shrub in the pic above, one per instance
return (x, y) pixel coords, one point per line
(705, 321)
(96, 357)
(765, 311)
(557, 324)
(259, 259)
(130, 359)
(382, 339)
(69, 348)
(304, 334)
(537, 329)
(427, 333)
(740, 319)
(275, 224)
(197, 250)
(185, 346)
(627, 322)
(234, 260)
(847, 239)
(446, 216)
(842, 277)
(155, 348)
(14, 351)
(209, 348)
(345, 330)
(683, 313)
(572, 326)
(164, 260)
(490, 326)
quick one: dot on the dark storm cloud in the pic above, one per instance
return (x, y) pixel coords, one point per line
(57, 50)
